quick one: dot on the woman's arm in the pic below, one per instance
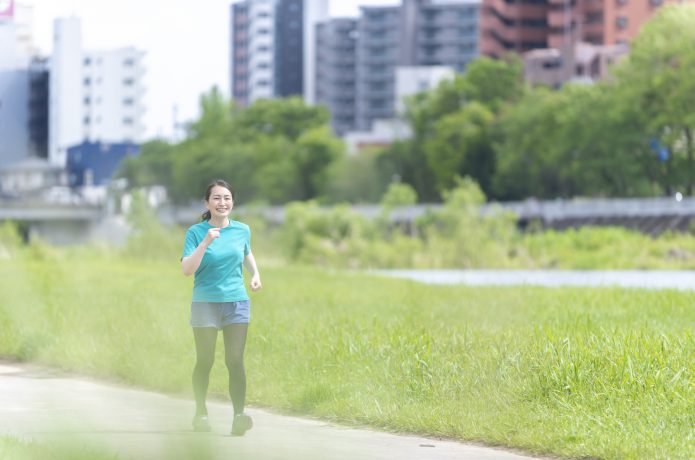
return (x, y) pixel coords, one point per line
(190, 264)
(250, 264)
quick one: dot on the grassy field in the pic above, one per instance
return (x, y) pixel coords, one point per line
(589, 373)
(12, 448)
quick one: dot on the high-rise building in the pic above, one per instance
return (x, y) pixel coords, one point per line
(93, 95)
(66, 90)
(315, 11)
(335, 71)
(289, 53)
(417, 33)
(270, 51)
(112, 95)
(523, 25)
(378, 54)
(14, 89)
(239, 53)
(38, 108)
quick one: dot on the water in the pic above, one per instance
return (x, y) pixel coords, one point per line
(645, 279)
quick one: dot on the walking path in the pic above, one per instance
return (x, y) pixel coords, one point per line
(45, 405)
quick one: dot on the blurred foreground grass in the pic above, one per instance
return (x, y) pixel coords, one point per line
(12, 448)
(597, 373)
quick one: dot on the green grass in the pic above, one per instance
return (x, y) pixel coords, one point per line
(592, 373)
(19, 449)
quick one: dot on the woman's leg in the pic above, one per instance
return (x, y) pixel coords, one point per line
(234, 344)
(205, 340)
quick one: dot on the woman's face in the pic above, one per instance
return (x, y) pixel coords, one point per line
(220, 202)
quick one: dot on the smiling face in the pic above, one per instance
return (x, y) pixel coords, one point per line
(220, 203)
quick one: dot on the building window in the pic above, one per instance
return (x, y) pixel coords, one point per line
(467, 48)
(127, 121)
(263, 31)
(467, 13)
(86, 120)
(128, 101)
(431, 15)
(87, 81)
(656, 2)
(621, 22)
(130, 62)
(263, 83)
(128, 81)
(87, 61)
(555, 64)
(87, 100)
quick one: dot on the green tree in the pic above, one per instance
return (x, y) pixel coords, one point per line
(657, 77)
(312, 154)
(460, 145)
(153, 166)
(355, 179)
(288, 118)
(493, 82)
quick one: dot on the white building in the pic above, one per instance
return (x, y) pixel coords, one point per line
(94, 95)
(113, 93)
(65, 107)
(261, 40)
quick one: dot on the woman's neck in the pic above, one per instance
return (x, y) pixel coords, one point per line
(221, 223)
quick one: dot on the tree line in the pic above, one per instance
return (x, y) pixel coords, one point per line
(629, 135)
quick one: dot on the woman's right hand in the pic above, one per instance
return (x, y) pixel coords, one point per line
(213, 234)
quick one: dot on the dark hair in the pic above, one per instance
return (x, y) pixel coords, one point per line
(217, 182)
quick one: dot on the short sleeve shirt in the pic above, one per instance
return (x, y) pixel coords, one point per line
(219, 277)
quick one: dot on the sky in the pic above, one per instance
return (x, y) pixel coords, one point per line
(186, 45)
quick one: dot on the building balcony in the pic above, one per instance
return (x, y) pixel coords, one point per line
(559, 18)
(384, 93)
(514, 11)
(592, 29)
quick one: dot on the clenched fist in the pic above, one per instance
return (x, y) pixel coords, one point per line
(212, 235)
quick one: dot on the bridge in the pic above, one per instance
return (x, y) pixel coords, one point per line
(63, 224)
(77, 223)
(648, 215)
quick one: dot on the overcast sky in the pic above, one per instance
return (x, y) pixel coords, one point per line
(187, 44)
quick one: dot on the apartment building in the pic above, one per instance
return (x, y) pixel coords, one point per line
(93, 95)
(358, 59)
(524, 25)
(336, 71)
(272, 48)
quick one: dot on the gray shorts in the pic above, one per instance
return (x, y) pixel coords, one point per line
(220, 314)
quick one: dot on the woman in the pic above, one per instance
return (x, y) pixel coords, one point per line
(214, 250)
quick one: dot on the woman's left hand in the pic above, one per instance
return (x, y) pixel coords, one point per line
(256, 282)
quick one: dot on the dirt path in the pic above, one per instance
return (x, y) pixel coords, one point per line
(47, 406)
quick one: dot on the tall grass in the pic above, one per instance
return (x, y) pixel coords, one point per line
(458, 236)
(605, 373)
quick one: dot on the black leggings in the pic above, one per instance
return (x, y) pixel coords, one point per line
(234, 343)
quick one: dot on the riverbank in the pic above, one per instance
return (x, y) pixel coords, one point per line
(572, 372)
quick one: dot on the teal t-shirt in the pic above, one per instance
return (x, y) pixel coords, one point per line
(219, 277)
